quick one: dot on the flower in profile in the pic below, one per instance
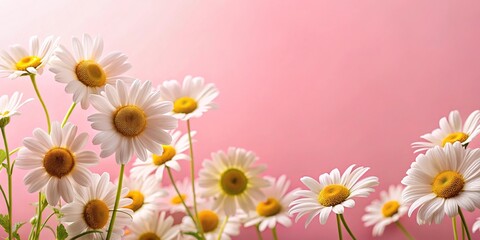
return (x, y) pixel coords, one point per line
(441, 181)
(232, 180)
(173, 202)
(20, 62)
(57, 162)
(9, 106)
(131, 120)
(274, 208)
(450, 131)
(155, 226)
(87, 72)
(172, 153)
(192, 99)
(92, 209)
(331, 193)
(385, 211)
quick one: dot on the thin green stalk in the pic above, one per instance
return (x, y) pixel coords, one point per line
(180, 194)
(15, 150)
(274, 233)
(9, 176)
(38, 224)
(46, 220)
(67, 116)
(454, 225)
(222, 228)
(340, 237)
(117, 200)
(259, 234)
(192, 170)
(464, 223)
(34, 83)
(4, 196)
(404, 230)
(346, 227)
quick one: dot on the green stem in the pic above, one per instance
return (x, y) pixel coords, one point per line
(222, 228)
(454, 225)
(259, 234)
(346, 227)
(340, 237)
(46, 220)
(404, 230)
(4, 196)
(274, 233)
(67, 116)
(41, 207)
(117, 200)
(192, 172)
(464, 223)
(180, 194)
(34, 83)
(9, 176)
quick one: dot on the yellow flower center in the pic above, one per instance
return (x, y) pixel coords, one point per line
(149, 236)
(333, 194)
(90, 73)
(209, 220)
(390, 208)
(269, 208)
(455, 137)
(184, 105)
(5, 113)
(138, 200)
(168, 153)
(448, 184)
(178, 199)
(233, 181)
(29, 61)
(96, 214)
(129, 120)
(58, 162)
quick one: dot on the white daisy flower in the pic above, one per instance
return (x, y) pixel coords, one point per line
(173, 202)
(442, 181)
(20, 62)
(192, 99)
(131, 120)
(155, 227)
(332, 192)
(145, 194)
(92, 209)
(232, 180)
(388, 209)
(274, 209)
(9, 106)
(57, 162)
(451, 131)
(87, 72)
(476, 225)
(172, 153)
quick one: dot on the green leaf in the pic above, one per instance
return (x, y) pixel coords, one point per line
(194, 234)
(3, 155)
(4, 222)
(16, 228)
(61, 232)
(57, 212)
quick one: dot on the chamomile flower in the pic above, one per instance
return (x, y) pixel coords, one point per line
(274, 208)
(441, 181)
(172, 153)
(9, 106)
(388, 209)
(92, 209)
(131, 120)
(57, 162)
(451, 131)
(192, 99)
(155, 226)
(331, 193)
(172, 202)
(145, 194)
(20, 62)
(476, 225)
(86, 72)
(232, 180)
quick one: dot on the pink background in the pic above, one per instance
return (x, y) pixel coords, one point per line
(307, 85)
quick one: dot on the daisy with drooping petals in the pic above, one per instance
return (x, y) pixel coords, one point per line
(92, 210)
(385, 211)
(172, 153)
(9, 106)
(155, 227)
(191, 99)
(274, 208)
(451, 131)
(87, 72)
(131, 120)
(231, 178)
(172, 202)
(57, 162)
(20, 62)
(331, 193)
(443, 181)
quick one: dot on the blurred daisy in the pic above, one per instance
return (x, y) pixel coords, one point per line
(9, 106)
(131, 120)
(442, 181)
(451, 131)
(173, 202)
(92, 209)
(20, 62)
(191, 99)
(331, 193)
(172, 153)
(232, 180)
(87, 72)
(274, 209)
(155, 226)
(389, 209)
(57, 162)
(476, 225)
(145, 194)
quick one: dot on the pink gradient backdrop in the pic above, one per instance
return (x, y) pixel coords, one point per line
(307, 85)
